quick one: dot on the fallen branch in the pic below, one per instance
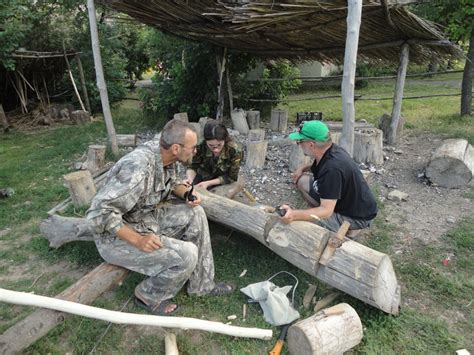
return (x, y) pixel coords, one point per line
(28, 299)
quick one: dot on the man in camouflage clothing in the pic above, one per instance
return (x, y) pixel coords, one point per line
(136, 225)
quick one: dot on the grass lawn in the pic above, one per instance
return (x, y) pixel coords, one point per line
(33, 165)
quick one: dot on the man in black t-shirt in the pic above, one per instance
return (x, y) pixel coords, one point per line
(333, 184)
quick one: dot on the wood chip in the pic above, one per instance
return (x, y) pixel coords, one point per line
(308, 296)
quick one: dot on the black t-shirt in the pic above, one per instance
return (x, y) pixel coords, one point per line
(337, 177)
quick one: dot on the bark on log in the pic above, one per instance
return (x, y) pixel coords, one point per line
(39, 323)
(95, 158)
(253, 119)
(452, 164)
(279, 120)
(239, 122)
(357, 270)
(81, 187)
(334, 330)
(62, 230)
(256, 153)
(28, 299)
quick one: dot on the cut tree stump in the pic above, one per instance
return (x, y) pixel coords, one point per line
(355, 269)
(183, 116)
(334, 330)
(95, 158)
(384, 124)
(253, 119)
(256, 135)
(81, 187)
(239, 121)
(26, 332)
(297, 157)
(80, 117)
(452, 164)
(279, 120)
(368, 145)
(256, 153)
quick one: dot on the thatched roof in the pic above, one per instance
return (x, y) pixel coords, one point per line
(295, 29)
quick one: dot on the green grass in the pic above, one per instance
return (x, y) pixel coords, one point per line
(438, 318)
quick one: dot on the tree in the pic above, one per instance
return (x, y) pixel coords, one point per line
(457, 16)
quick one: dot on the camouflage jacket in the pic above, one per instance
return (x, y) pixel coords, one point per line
(226, 167)
(134, 187)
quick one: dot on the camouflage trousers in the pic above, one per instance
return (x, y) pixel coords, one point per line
(186, 254)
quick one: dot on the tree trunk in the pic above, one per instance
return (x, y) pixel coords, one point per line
(348, 79)
(83, 83)
(355, 269)
(452, 164)
(26, 332)
(104, 96)
(334, 330)
(466, 89)
(398, 97)
(3, 119)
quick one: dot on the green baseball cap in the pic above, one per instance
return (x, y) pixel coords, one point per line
(312, 130)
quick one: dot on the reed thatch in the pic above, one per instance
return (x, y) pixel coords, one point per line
(297, 29)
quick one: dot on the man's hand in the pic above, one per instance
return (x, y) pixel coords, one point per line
(204, 184)
(196, 202)
(149, 242)
(289, 214)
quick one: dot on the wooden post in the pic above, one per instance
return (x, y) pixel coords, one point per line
(104, 96)
(354, 12)
(279, 120)
(26, 332)
(398, 97)
(83, 83)
(81, 187)
(220, 89)
(253, 119)
(183, 116)
(256, 153)
(334, 330)
(72, 79)
(229, 91)
(256, 135)
(3, 120)
(95, 158)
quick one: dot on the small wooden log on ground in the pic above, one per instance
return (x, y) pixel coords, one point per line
(28, 299)
(253, 119)
(384, 124)
(81, 187)
(80, 117)
(452, 164)
(26, 332)
(334, 330)
(171, 346)
(279, 120)
(297, 157)
(95, 158)
(256, 153)
(239, 122)
(183, 116)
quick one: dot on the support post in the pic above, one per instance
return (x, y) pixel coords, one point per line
(398, 97)
(3, 120)
(104, 97)
(83, 83)
(348, 78)
(220, 91)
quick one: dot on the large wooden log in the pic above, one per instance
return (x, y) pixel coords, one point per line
(334, 330)
(62, 230)
(357, 270)
(452, 164)
(28, 299)
(39, 323)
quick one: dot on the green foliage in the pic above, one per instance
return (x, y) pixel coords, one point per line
(267, 89)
